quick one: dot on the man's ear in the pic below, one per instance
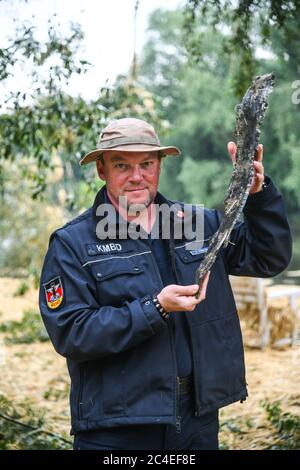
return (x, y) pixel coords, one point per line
(100, 169)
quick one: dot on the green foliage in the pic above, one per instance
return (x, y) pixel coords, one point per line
(26, 224)
(291, 152)
(198, 103)
(29, 330)
(23, 427)
(237, 426)
(128, 98)
(223, 445)
(48, 140)
(54, 394)
(190, 102)
(45, 121)
(198, 99)
(25, 47)
(58, 389)
(248, 25)
(58, 125)
(208, 181)
(286, 425)
(21, 290)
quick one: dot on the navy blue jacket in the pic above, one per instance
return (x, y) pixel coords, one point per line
(95, 302)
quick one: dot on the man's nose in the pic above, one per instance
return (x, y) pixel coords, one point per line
(136, 174)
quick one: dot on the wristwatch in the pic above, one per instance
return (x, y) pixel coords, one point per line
(164, 314)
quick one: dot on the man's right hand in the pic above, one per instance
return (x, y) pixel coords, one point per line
(174, 298)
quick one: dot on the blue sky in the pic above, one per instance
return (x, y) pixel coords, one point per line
(108, 28)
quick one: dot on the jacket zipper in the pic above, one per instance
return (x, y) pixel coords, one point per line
(194, 362)
(197, 411)
(177, 417)
(80, 392)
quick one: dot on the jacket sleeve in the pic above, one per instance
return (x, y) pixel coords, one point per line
(79, 327)
(261, 246)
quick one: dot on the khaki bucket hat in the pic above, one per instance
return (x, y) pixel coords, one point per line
(128, 135)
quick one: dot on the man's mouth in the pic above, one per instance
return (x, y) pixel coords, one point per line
(135, 189)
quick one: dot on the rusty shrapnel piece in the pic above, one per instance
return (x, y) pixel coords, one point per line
(249, 116)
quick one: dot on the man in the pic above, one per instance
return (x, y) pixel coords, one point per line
(150, 363)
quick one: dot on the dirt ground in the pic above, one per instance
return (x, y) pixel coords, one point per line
(36, 372)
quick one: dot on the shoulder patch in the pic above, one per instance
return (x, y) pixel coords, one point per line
(54, 292)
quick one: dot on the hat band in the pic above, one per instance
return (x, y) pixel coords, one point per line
(106, 144)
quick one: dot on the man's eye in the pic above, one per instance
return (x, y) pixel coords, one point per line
(121, 166)
(147, 164)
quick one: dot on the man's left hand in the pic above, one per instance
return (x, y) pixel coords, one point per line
(259, 176)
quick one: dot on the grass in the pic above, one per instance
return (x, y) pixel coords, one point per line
(29, 329)
(21, 290)
(23, 427)
(54, 394)
(285, 425)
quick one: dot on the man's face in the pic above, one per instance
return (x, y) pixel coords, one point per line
(134, 175)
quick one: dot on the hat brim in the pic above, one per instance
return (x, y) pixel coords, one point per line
(95, 154)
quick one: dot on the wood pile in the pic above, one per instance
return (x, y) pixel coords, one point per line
(283, 321)
(269, 315)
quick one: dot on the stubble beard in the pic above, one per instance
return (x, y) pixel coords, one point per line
(135, 209)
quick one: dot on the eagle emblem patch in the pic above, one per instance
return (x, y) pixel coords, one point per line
(54, 292)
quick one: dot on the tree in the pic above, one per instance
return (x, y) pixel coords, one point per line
(248, 24)
(198, 103)
(33, 123)
(43, 134)
(198, 99)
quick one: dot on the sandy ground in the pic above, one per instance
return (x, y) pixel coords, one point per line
(35, 371)
(32, 370)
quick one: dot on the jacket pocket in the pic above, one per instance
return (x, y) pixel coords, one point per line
(187, 261)
(189, 255)
(113, 386)
(219, 299)
(89, 392)
(119, 280)
(139, 382)
(110, 268)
